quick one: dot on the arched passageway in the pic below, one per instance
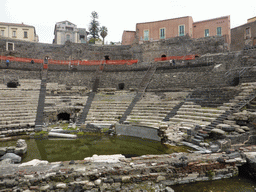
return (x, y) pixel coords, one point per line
(63, 116)
(121, 86)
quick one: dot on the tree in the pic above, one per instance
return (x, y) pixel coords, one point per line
(94, 26)
(103, 32)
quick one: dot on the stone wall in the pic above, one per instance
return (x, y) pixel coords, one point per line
(186, 74)
(145, 52)
(138, 131)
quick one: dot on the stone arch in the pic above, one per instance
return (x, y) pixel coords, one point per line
(163, 57)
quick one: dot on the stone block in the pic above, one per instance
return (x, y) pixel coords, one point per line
(218, 131)
(160, 178)
(2, 150)
(126, 179)
(239, 130)
(61, 185)
(10, 149)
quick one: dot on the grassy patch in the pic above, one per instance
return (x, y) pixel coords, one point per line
(43, 133)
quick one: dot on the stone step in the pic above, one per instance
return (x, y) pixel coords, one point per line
(164, 111)
(105, 113)
(18, 108)
(106, 110)
(11, 118)
(103, 116)
(200, 118)
(198, 114)
(225, 108)
(144, 117)
(147, 124)
(203, 110)
(191, 106)
(101, 119)
(158, 102)
(149, 114)
(31, 123)
(181, 120)
(100, 122)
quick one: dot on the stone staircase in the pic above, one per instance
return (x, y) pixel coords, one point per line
(247, 94)
(40, 108)
(18, 106)
(141, 89)
(83, 115)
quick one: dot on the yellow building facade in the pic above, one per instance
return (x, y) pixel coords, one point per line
(18, 31)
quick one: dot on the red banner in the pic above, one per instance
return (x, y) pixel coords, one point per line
(186, 57)
(71, 62)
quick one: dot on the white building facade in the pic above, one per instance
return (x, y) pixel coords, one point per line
(67, 31)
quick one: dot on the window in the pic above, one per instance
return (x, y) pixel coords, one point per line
(146, 35)
(69, 28)
(219, 31)
(2, 32)
(162, 33)
(13, 33)
(25, 34)
(9, 46)
(206, 33)
(181, 30)
(248, 33)
(68, 38)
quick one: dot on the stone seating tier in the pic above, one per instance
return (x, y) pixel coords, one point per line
(193, 121)
(17, 107)
(202, 110)
(198, 114)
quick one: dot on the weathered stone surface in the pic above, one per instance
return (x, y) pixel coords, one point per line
(2, 150)
(214, 148)
(242, 116)
(61, 185)
(169, 189)
(239, 130)
(10, 149)
(97, 182)
(34, 162)
(15, 158)
(225, 127)
(21, 143)
(105, 158)
(245, 128)
(6, 162)
(44, 188)
(218, 131)
(160, 178)
(126, 179)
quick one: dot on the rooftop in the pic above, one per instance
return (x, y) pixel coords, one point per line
(16, 24)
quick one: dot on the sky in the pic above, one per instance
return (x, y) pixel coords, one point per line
(118, 15)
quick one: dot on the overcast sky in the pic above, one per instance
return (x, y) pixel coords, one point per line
(118, 15)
